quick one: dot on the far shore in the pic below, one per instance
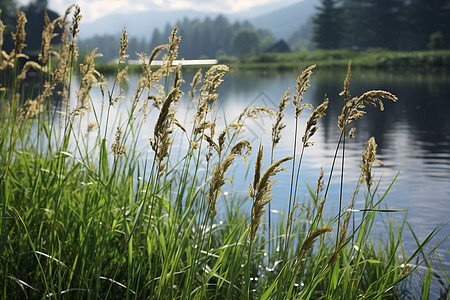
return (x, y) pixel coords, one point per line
(395, 61)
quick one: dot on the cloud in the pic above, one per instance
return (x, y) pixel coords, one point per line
(94, 9)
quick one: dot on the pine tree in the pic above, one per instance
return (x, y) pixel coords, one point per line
(328, 25)
(387, 23)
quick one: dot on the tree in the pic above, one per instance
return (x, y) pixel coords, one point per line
(427, 19)
(387, 23)
(328, 25)
(245, 42)
(36, 22)
(8, 17)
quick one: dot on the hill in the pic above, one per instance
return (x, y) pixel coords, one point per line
(283, 22)
(280, 21)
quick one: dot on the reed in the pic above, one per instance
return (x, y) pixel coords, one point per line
(87, 213)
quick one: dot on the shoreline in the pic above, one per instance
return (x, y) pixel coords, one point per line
(392, 61)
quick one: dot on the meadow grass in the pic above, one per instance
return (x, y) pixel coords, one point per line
(86, 213)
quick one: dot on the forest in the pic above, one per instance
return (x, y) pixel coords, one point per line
(387, 24)
(208, 38)
(337, 24)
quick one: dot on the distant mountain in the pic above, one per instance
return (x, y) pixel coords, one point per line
(283, 22)
(138, 24)
(280, 21)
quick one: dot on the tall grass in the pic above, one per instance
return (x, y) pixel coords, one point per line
(86, 213)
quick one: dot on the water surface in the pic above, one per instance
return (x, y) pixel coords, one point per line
(413, 137)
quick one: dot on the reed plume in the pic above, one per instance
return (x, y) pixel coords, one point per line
(81, 111)
(346, 92)
(309, 241)
(208, 91)
(170, 55)
(301, 87)
(311, 124)
(241, 148)
(278, 126)
(117, 147)
(260, 191)
(162, 140)
(19, 35)
(344, 228)
(252, 113)
(2, 30)
(319, 186)
(354, 108)
(195, 81)
(290, 218)
(26, 67)
(74, 28)
(47, 36)
(146, 81)
(123, 45)
(368, 158)
(88, 77)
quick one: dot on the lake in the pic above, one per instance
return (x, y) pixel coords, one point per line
(413, 137)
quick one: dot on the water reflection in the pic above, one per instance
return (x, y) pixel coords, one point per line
(413, 137)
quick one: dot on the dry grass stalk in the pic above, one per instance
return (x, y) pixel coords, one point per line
(344, 228)
(368, 158)
(310, 240)
(301, 87)
(19, 36)
(2, 30)
(351, 133)
(74, 29)
(171, 55)
(353, 109)
(242, 148)
(211, 125)
(122, 75)
(117, 147)
(47, 36)
(278, 126)
(92, 126)
(123, 45)
(319, 186)
(202, 126)
(290, 218)
(29, 109)
(346, 92)
(75, 25)
(88, 77)
(162, 140)
(208, 91)
(317, 196)
(311, 124)
(195, 81)
(29, 64)
(260, 191)
(81, 111)
(150, 77)
(252, 113)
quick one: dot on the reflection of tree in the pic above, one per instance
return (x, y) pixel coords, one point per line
(423, 105)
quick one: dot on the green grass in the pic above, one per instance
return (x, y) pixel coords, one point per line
(84, 217)
(396, 61)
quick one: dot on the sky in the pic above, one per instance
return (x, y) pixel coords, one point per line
(94, 9)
